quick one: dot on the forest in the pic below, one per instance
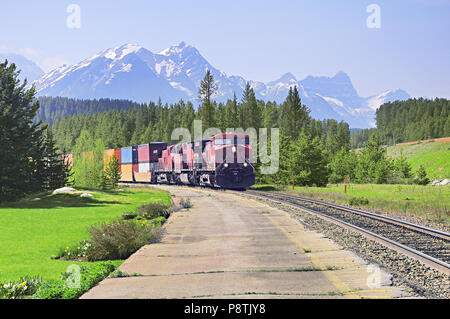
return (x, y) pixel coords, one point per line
(412, 120)
(407, 121)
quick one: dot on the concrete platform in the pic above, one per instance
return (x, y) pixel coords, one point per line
(227, 246)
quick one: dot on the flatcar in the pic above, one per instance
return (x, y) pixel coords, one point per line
(223, 161)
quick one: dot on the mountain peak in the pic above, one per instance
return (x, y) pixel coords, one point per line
(341, 75)
(287, 78)
(178, 49)
(119, 52)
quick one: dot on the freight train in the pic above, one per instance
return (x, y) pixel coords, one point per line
(223, 161)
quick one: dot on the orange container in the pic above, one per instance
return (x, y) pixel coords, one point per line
(127, 173)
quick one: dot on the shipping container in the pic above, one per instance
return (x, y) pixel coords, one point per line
(127, 173)
(143, 153)
(118, 154)
(156, 151)
(135, 154)
(143, 177)
(68, 159)
(126, 156)
(136, 168)
(144, 167)
(108, 156)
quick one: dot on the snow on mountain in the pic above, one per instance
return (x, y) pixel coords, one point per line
(133, 72)
(374, 102)
(28, 69)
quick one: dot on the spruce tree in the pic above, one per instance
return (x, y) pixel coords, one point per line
(207, 89)
(21, 140)
(113, 172)
(57, 172)
(294, 115)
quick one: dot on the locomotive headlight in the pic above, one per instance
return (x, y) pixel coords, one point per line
(234, 149)
(225, 165)
(245, 164)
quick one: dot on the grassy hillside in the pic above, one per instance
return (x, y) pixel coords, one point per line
(433, 154)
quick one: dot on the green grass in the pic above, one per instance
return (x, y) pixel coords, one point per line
(429, 202)
(435, 156)
(33, 231)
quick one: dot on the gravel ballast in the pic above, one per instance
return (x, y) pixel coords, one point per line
(420, 280)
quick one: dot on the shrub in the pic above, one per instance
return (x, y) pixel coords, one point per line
(120, 239)
(89, 277)
(50, 289)
(129, 215)
(186, 203)
(355, 201)
(157, 222)
(154, 210)
(422, 178)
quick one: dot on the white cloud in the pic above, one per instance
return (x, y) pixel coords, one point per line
(29, 52)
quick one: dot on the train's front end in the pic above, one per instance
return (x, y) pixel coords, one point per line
(232, 157)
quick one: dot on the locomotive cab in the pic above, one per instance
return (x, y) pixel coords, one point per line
(229, 154)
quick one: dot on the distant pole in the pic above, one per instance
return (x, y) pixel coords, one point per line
(345, 187)
(293, 182)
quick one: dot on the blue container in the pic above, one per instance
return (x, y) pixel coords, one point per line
(126, 155)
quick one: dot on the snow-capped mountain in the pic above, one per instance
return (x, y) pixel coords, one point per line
(133, 72)
(28, 69)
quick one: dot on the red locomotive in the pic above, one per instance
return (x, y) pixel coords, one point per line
(223, 161)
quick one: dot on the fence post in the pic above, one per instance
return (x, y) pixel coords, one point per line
(345, 187)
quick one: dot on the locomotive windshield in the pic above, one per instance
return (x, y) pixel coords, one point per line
(223, 141)
(232, 140)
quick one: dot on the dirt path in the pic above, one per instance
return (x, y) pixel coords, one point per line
(227, 246)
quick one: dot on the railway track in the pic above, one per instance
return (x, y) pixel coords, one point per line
(430, 246)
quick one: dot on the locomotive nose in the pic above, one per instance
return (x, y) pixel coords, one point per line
(232, 154)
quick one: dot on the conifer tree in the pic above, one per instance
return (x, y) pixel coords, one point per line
(57, 171)
(113, 172)
(295, 115)
(21, 140)
(207, 89)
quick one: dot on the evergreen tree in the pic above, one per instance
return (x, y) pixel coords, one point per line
(112, 172)
(421, 178)
(372, 164)
(294, 115)
(207, 89)
(308, 162)
(57, 172)
(342, 166)
(402, 166)
(21, 140)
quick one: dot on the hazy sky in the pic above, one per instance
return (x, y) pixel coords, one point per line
(259, 40)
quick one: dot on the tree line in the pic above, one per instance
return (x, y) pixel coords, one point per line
(412, 120)
(407, 121)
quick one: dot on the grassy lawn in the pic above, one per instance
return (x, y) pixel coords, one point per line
(434, 155)
(33, 231)
(429, 202)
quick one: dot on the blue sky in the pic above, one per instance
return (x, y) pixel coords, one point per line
(259, 40)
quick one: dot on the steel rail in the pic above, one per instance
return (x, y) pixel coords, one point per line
(424, 258)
